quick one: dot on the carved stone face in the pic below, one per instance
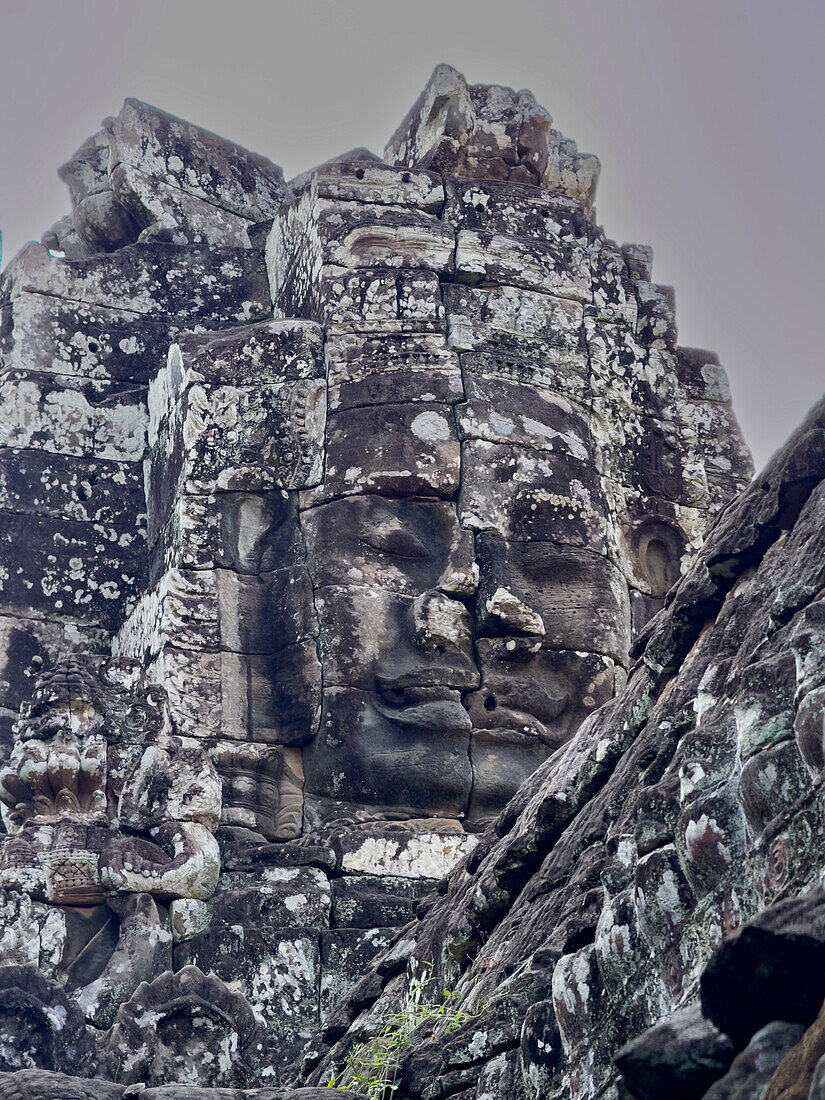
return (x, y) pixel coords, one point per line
(407, 527)
(465, 631)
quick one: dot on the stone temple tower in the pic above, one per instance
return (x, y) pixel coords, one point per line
(329, 509)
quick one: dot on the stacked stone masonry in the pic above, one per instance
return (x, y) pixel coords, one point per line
(365, 492)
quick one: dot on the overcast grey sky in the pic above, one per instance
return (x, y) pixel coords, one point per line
(706, 115)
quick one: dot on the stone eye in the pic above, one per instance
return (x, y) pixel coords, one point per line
(395, 541)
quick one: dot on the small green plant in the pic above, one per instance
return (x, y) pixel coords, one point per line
(373, 1067)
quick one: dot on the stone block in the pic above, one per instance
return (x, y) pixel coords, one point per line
(345, 955)
(71, 416)
(562, 270)
(403, 546)
(513, 209)
(360, 176)
(394, 450)
(85, 489)
(483, 318)
(500, 412)
(355, 356)
(367, 901)
(408, 755)
(201, 284)
(529, 495)
(380, 300)
(194, 161)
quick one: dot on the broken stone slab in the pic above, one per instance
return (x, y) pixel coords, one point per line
(680, 1057)
(276, 897)
(165, 213)
(487, 131)
(345, 954)
(193, 160)
(202, 284)
(361, 176)
(98, 220)
(702, 375)
(771, 968)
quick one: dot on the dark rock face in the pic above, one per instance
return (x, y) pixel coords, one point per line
(367, 488)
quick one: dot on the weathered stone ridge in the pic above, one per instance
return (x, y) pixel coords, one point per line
(363, 488)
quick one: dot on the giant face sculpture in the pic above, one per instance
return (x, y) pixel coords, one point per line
(404, 534)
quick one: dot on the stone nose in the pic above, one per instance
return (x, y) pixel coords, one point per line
(511, 615)
(502, 606)
(442, 624)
